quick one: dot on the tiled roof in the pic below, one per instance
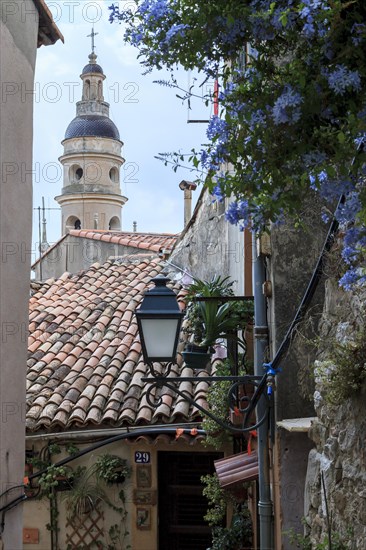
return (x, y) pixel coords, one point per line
(92, 125)
(85, 364)
(154, 242)
(146, 241)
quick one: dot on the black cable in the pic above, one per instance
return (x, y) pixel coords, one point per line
(102, 443)
(11, 489)
(315, 278)
(309, 292)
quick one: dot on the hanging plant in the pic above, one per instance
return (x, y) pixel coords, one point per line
(111, 468)
(84, 497)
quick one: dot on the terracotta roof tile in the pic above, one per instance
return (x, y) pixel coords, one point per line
(85, 366)
(232, 471)
(145, 241)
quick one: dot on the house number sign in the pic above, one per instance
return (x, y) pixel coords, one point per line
(142, 457)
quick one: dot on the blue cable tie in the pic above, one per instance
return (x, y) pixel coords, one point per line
(270, 372)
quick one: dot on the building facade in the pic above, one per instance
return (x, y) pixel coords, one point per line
(24, 26)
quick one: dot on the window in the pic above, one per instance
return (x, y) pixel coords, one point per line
(114, 175)
(86, 90)
(115, 224)
(79, 174)
(76, 173)
(72, 223)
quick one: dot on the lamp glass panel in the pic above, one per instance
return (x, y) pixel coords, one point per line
(159, 336)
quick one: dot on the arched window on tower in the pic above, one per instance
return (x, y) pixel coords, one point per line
(86, 90)
(72, 222)
(115, 224)
(100, 90)
(75, 173)
(114, 174)
(79, 173)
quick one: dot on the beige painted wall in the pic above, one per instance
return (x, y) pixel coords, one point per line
(73, 254)
(36, 513)
(19, 29)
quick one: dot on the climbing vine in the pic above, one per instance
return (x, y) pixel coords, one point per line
(292, 113)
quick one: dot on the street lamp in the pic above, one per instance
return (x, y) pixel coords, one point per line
(159, 320)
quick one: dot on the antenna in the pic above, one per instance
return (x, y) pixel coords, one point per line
(44, 244)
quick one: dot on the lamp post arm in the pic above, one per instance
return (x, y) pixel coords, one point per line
(159, 381)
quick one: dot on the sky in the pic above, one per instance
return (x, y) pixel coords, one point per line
(150, 119)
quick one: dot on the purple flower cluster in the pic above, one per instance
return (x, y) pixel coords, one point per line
(286, 109)
(358, 31)
(354, 255)
(218, 132)
(341, 80)
(238, 213)
(174, 31)
(294, 109)
(218, 129)
(218, 194)
(348, 211)
(309, 12)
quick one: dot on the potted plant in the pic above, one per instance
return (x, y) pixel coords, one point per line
(111, 468)
(86, 495)
(56, 478)
(208, 320)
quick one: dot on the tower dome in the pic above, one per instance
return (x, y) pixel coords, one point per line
(91, 196)
(92, 66)
(92, 125)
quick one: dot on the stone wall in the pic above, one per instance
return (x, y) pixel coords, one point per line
(336, 475)
(294, 253)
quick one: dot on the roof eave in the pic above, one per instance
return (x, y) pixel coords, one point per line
(48, 31)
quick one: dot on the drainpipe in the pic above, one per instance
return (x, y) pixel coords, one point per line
(187, 187)
(260, 347)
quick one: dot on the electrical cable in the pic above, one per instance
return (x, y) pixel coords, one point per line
(103, 443)
(315, 278)
(310, 290)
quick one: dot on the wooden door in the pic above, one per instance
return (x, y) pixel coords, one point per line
(181, 503)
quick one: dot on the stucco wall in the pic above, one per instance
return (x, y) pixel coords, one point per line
(74, 254)
(36, 512)
(210, 246)
(19, 29)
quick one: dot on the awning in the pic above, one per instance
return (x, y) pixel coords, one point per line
(232, 471)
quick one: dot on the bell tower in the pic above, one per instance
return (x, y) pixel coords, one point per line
(91, 195)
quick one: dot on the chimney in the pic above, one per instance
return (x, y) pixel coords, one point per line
(187, 187)
(135, 227)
